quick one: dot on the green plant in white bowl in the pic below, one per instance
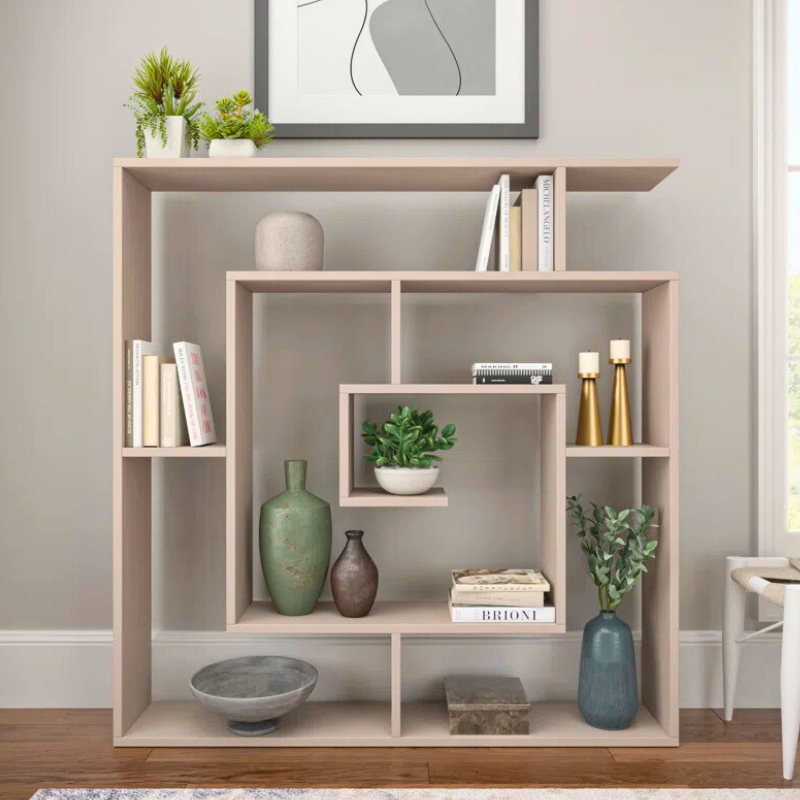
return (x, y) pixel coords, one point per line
(233, 131)
(404, 449)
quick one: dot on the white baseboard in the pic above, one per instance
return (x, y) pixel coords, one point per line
(72, 669)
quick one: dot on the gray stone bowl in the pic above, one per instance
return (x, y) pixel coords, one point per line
(254, 692)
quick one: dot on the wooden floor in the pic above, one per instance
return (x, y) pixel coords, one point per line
(50, 748)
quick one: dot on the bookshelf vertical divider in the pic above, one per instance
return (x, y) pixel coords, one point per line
(138, 720)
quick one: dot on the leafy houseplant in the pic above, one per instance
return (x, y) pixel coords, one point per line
(234, 131)
(404, 449)
(163, 106)
(617, 547)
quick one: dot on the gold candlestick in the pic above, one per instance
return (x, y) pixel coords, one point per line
(589, 431)
(619, 426)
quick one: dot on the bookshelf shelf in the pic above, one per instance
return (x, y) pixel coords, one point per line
(363, 724)
(610, 451)
(373, 497)
(138, 721)
(387, 616)
(209, 451)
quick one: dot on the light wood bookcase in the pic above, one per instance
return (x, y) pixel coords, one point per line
(138, 721)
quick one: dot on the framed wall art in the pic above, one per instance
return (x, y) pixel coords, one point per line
(398, 68)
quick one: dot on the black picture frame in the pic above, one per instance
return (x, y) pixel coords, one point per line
(529, 129)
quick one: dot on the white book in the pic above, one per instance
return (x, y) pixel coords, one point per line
(504, 225)
(173, 422)
(491, 614)
(517, 366)
(194, 391)
(544, 186)
(140, 349)
(482, 265)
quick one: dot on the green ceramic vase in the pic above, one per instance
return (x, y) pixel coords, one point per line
(295, 543)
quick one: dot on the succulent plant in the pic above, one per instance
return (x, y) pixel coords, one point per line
(407, 439)
(231, 121)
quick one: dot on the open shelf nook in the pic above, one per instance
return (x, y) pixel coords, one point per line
(140, 722)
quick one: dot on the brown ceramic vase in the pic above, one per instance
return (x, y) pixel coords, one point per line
(354, 578)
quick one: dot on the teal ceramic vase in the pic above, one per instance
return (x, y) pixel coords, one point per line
(607, 693)
(295, 544)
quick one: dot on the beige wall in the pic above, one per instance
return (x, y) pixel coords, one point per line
(618, 77)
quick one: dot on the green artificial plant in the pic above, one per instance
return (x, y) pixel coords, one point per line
(407, 439)
(616, 546)
(232, 121)
(164, 87)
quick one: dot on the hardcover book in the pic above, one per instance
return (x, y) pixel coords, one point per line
(503, 226)
(512, 580)
(194, 391)
(544, 185)
(528, 202)
(521, 373)
(497, 614)
(173, 422)
(489, 218)
(139, 349)
(151, 369)
(534, 597)
(515, 239)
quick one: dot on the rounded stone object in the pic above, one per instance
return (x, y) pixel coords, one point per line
(354, 578)
(290, 241)
(254, 692)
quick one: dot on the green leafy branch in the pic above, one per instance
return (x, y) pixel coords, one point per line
(232, 121)
(407, 439)
(616, 547)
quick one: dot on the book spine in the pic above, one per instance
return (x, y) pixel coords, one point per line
(489, 218)
(187, 393)
(544, 185)
(504, 226)
(532, 380)
(526, 599)
(501, 366)
(202, 400)
(515, 239)
(151, 367)
(129, 394)
(137, 394)
(490, 614)
(529, 203)
(172, 424)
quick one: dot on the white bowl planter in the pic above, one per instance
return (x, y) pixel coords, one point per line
(232, 148)
(176, 146)
(406, 480)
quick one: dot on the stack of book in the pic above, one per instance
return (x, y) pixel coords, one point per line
(499, 372)
(166, 396)
(500, 595)
(522, 233)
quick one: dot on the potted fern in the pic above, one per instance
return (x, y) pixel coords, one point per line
(617, 547)
(403, 450)
(233, 131)
(163, 106)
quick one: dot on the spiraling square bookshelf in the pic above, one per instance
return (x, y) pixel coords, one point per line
(138, 721)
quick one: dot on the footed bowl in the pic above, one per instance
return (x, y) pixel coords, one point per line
(254, 692)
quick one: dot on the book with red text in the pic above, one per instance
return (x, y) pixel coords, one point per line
(194, 391)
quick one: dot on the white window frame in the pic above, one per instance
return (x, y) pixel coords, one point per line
(770, 184)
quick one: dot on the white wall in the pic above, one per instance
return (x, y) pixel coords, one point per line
(618, 78)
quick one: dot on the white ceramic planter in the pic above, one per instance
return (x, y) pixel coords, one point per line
(406, 480)
(232, 148)
(176, 146)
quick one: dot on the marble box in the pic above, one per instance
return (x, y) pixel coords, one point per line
(486, 705)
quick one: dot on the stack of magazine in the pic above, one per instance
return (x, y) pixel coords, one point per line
(500, 595)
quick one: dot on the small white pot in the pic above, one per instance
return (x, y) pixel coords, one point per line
(406, 480)
(232, 148)
(176, 146)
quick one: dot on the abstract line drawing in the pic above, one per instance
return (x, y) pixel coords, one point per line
(396, 47)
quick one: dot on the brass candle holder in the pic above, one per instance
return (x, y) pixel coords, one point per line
(590, 433)
(620, 433)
